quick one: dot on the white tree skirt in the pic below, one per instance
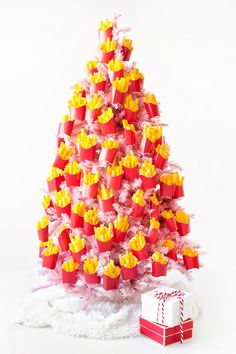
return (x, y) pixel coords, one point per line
(97, 317)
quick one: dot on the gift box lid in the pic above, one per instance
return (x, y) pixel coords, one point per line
(151, 306)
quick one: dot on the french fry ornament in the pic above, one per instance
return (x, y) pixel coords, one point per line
(106, 199)
(69, 271)
(77, 247)
(77, 215)
(159, 264)
(72, 174)
(115, 69)
(129, 133)
(112, 218)
(120, 227)
(86, 145)
(106, 122)
(104, 237)
(138, 246)
(190, 258)
(111, 276)
(91, 220)
(151, 105)
(90, 268)
(183, 222)
(126, 48)
(131, 107)
(128, 264)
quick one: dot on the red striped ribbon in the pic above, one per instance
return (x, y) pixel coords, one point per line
(162, 297)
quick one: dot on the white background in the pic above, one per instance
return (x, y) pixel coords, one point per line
(186, 50)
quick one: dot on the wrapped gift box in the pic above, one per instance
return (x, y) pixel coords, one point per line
(152, 309)
(163, 334)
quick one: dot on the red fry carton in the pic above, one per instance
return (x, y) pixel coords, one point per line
(126, 53)
(131, 116)
(55, 183)
(50, 261)
(131, 173)
(152, 110)
(76, 220)
(105, 246)
(179, 192)
(77, 255)
(106, 204)
(63, 210)
(153, 234)
(105, 34)
(73, 180)
(114, 182)
(69, 277)
(146, 146)
(190, 258)
(129, 273)
(92, 114)
(78, 113)
(135, 86)
(183, 228)
(60, 163)
(97, 86)
(107, 154)
(89, 228)
(119, 236)
(155, 210)
(141, 254)
(148, 182)
(137, 210)
(130, 137)
(90, 190)
(158, 269)
(117, 96)
(43, 234)
(110, 283)
(163, 334)
(66, 127)
(171, 224)
(108, 127)
(167, 306)
(92, 278)
(64, 239)
(115, 74)
(87, 154)
(105, 57)
(159, 161)
(172, 254)
(166, 190)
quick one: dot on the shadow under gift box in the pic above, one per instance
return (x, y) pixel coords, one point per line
(60, 163)
(152, 110)
(63, 210)
(146, 146)
(117, 96)
(179, 192)
(92, 278)
(114, 182)
(115, 74)
(64, 240)
(73, 180)
(43, 234)
(155, 210)
(108, 127)
(105, 57)
(130, 116)
(158, 269)
(78, 113)
(107, 154)
(50, 261)
(135, 85)
(89, 228)
(141, 254)
(129, 273)
(77, 255)
(69, 277)
(105, 246)
(105, 34)
(54, 184)
(171, 224)
(183, 228)
(110, 283)
(130, 137)
(172, 254)
(163, 334)
(148, 182)
(90, 190)
(131, 173)
(159, 161)
(106, 204)
(137, 210)
(76, 220)
(92, 114)
(191, 262)
(95, 87)
(118, 235)
(87, 154)
(153, 234)
(126, 53)
(167, 190)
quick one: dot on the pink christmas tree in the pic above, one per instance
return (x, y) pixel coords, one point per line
(112, 215)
